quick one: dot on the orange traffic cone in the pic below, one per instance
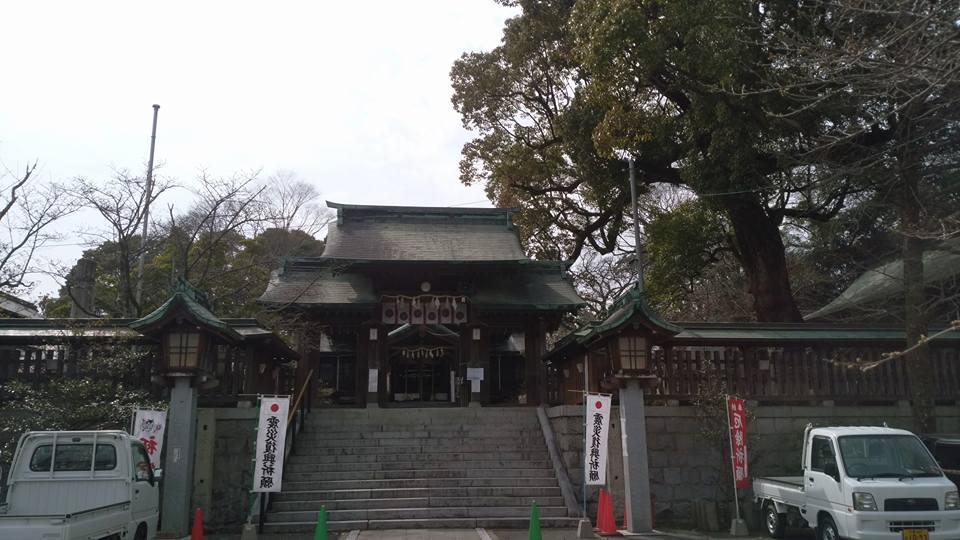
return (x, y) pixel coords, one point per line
(601, 500)
(197, 532)
(605, 520)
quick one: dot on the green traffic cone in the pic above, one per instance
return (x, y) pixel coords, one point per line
(320, 533)
(534, 530)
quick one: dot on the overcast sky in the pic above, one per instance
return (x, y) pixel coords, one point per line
(353, 96)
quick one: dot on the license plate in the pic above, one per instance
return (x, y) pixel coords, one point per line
(914, 534)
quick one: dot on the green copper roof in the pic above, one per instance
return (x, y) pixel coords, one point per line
(631, 307)
(188, 301)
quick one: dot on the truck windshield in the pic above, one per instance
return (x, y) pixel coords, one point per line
(886, 456)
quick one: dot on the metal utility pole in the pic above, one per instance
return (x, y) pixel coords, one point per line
(636, 224)
(146, 209)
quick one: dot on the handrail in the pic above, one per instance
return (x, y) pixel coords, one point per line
(303, 389)
(295, 423)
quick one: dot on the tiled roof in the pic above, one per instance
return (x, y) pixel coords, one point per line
(939, 264)
(316, 282)
(396, 233)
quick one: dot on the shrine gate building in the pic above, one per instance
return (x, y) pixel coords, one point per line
(422, 306)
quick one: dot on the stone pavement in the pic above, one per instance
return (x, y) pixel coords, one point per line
(503, 534)
(419, 534)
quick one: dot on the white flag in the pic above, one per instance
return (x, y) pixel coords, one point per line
(148, 426)
(271, 435)
(598, 426)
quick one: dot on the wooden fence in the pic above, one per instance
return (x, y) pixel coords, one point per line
(798, 373)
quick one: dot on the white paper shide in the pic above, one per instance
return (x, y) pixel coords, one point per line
(598, 427)
(271, 435)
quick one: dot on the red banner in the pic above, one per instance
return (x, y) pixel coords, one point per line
(737, 416)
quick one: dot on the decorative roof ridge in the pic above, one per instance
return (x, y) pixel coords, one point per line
(317, 262)
(438, 210)
(195, 303)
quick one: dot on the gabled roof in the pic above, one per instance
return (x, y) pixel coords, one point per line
(403, 233)
(939, 264)
(630, 308)
(322, 282)
(12, 306)
(186, 301)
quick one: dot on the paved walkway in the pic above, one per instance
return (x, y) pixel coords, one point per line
(419, 534)
(501, 534)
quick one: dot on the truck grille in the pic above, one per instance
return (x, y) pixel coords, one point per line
(910, 505)
(899, 526)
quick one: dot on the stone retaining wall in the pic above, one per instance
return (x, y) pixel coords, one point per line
(223, 469)
(685, 467)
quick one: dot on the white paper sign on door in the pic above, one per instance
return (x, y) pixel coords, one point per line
(149, 426)
(271, 436)
(598, 426)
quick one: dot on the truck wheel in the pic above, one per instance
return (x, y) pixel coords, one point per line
(141, 532)
(827, 530)
(774, 521)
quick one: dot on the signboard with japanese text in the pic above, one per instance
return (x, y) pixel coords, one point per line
(148, 426)
(598, 426)
(737, 416)
(271, 435)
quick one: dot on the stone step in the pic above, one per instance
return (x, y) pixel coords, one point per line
(415, 422)
(435, 512)
(432, 432)
(417, 483)
(444, 442)
(409, 502)
(427, 414)
(417, 457)
(449, 523)
(477, 446)
(300, 467)
(392, 493)
(298, 475)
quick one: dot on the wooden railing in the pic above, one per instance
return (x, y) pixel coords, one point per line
(799, 373)
(296, 420)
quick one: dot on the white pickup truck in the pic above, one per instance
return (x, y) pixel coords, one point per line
(73, 485)
(871, 483)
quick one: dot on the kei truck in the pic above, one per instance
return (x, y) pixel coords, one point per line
(80, 485)
(870, 483)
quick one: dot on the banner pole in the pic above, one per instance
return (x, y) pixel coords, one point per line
(733, 467)
(586, 392)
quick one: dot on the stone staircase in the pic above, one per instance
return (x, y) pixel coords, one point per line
(418, 468)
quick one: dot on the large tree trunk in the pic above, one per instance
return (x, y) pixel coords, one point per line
(762, 256)
(919, 365)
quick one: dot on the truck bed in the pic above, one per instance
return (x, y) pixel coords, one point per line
(786, 489)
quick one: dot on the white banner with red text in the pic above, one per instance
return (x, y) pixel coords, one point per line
(597, 428)
(271, 436)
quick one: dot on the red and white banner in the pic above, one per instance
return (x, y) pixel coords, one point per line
(148, 426)
(271, 436)
(598, 426)
(737, 417)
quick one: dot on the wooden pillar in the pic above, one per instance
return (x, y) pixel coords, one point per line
(251, 371)
(474, 347)
(536, 383)
(303, 365)
(371, 353)
(360, 365)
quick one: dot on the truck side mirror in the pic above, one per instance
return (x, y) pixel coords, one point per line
(157, 475)
(830, 469)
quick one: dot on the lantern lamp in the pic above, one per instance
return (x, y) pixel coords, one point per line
(183, 351)
(632, 355)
